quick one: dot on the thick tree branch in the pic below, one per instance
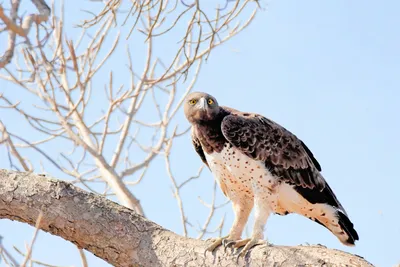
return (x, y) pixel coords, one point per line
(123, 238)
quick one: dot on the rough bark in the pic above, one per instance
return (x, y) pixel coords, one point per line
(123, 238)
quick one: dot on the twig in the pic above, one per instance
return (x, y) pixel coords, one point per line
(83, 258)
(30, 248)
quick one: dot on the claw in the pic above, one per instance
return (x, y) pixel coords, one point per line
(225, 242)
(229, 244)
(216, 243)
(248, 244)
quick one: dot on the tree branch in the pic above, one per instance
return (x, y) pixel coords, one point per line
(10, 143)
(23, 30)
(124, 238)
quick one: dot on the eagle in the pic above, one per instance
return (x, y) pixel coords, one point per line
(259, 164)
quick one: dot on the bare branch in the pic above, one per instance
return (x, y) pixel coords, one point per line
(108, 229)
(30, 248)
(6, 255)
(83, 257)
(23, 30)
(14, 152)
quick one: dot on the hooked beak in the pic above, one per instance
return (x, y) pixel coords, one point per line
(202, 103)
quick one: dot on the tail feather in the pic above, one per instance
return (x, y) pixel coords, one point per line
(319, 206)
(339, 224)
(348, 227)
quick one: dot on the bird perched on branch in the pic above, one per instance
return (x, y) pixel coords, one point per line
(258, 163)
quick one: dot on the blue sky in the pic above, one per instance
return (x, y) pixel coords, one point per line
(326, 70)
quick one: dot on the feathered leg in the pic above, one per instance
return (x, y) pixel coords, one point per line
(242, 208)
(261, 214)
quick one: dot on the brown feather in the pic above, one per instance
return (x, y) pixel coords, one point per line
(283, 153)
(197, 146)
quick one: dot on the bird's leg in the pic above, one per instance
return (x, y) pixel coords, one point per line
(262, 212)
(242, 209)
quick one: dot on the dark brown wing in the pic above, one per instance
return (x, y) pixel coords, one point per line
(283, 153)
(198, 148)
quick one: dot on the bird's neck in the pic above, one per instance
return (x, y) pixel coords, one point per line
(215, 121)
(210, 134)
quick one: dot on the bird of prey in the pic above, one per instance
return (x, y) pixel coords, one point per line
(258, 163)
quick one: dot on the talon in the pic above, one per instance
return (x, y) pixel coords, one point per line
(248, 244)
(244, 253)
(216, 242)
(225, 242)
(229, 244)
(241, 243)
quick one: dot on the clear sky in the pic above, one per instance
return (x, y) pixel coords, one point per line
(326, 70)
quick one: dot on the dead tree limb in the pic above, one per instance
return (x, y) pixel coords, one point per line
(123, 238)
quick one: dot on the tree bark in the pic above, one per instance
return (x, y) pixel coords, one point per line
(123, 238)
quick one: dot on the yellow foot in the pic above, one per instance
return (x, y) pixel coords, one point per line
(248, 243)
(216, 242)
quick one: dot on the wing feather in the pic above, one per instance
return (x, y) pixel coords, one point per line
(197, 146)
(283, 153)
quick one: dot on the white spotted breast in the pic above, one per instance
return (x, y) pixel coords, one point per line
(239, 172)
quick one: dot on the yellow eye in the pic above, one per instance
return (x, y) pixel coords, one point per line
(192, 102)
(210, 101)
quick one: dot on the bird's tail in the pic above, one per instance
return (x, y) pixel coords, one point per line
(321, 207)
(338, 223)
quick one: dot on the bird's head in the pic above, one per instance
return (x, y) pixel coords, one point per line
(200, 107)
